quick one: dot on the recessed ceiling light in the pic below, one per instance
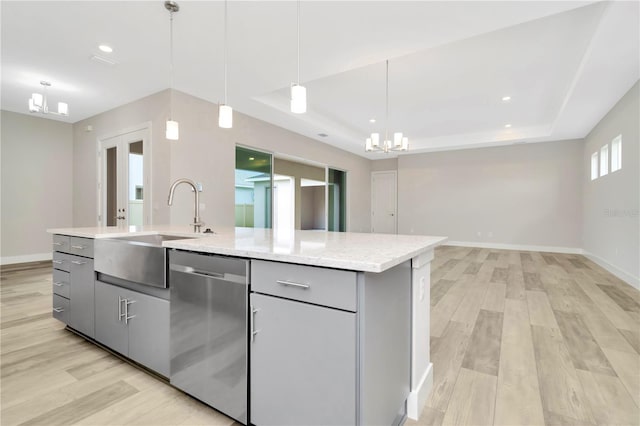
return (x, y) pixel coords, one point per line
(506, 98)
(507, 125)
(373, 120)
(323, 135)
(251, 158)
(105, 48)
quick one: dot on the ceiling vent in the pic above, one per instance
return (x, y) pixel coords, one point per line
(102, 60)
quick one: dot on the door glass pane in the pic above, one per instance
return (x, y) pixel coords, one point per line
(337, 200)
(253, 188)
(136, 187)
(112, 186)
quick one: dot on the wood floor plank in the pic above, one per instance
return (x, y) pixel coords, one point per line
(518, 394)
(442, 312)
(483, 353)
(447, 354)
(540, 312)
(515, 283)
(439, 289)
(473, 268)
(473, 399)
(621, 298)
(603, 330)
(532, 281)
(609, 308)
(627, 367)
(500, 275)
(610, 401)
(561, 390)
(495, 297)
(633, 337)
(583, 349)
(84, 406)
(467, 311)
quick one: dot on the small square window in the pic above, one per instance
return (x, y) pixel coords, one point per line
(604, 160)
(594, 166)
(616, 153)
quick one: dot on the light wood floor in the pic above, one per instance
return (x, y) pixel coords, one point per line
(516, 338)
(527, 338)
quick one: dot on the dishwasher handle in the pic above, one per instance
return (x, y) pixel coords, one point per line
(209, 274)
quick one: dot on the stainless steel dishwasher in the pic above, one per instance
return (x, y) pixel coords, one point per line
(209, 303)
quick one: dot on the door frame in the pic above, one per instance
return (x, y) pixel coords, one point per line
(395, 196)
(102, 144)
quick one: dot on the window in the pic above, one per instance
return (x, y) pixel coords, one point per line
(616, 153)
(594, 166)
(604, 160)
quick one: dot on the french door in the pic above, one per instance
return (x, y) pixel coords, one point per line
(124, 179)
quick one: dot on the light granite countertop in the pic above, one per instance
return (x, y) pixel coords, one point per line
(342, 250)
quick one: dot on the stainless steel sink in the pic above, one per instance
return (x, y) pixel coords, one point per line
(152, 240)
(136, 258)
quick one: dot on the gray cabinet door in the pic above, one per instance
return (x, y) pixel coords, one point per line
(303, 364)
(111, 330)
(81, 294)
(149, 331)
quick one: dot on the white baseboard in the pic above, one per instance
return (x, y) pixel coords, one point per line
(520, 247)
(418, 396)
(623, 275)
(10, 260)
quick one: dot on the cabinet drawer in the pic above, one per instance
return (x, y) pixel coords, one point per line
(81, 246)
(61, 261)
(321, 286)
(61, 243)
(61, 283)
(61, 308)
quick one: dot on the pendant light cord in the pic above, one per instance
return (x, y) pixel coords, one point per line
(386, 119)
(298, 37)
(171, 65)
(225, 52)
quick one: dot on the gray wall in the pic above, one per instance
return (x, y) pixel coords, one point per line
(519, 195)
(206, 154)
(611, 228)
(37, 182)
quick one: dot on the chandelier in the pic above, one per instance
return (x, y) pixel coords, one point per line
(399, 142)
(38, 103)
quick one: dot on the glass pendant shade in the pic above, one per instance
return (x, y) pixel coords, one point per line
(32, 107)
(298, 99)
(225, 116)
(397, 139)
(37, 100)
(173, 131)
(375, 140)
(405, 143)
(63, 108)
(368, 145)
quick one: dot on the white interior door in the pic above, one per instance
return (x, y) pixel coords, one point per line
(384, 202)
(123, 181)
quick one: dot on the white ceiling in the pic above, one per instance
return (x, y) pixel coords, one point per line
(565, 64)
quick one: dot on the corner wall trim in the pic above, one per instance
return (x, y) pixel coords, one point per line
(522, 247)
(623, 275)
(418, 396)
(10, 260)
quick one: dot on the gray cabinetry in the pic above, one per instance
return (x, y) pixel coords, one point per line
(73, 282)
(133, 324)
(303, 364)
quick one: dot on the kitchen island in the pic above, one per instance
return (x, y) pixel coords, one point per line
(339, 322)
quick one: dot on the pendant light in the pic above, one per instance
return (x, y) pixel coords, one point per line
(298, 92)
(399, 142)
(225, 112)
(172, 130)
(39, 103)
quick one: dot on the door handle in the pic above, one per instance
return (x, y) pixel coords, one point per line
(78, 262)
(120, 314)
(293, 284)
(58, 283)
(252, 322)
(127, 302)
(58, 310)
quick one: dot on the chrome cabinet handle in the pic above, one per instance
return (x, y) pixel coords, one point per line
(252, 322)
(293, 284)
(57, 244)
(120, 314)
(78, 247)
(127, 302)
(58, 310)
(58, 283)
(78, 262)
(58, 262)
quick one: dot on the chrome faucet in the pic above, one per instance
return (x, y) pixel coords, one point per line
(196, 220)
